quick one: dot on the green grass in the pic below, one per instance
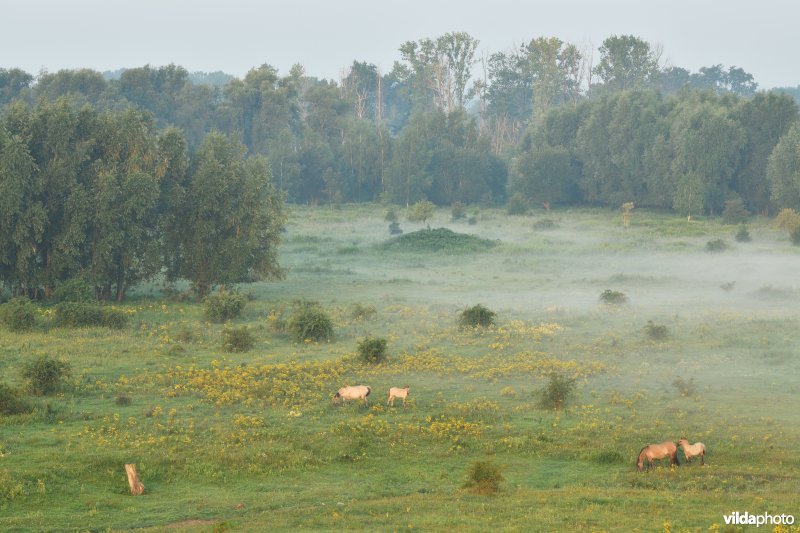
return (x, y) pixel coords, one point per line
(251, 441)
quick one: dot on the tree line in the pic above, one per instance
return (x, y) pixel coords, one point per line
(106, 197)
(110, 175)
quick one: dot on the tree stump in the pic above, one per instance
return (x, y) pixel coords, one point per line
(137, 488)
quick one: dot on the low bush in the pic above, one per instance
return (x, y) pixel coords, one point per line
(457, 211)
(517, 204)
(223, 307)
(238, 340)
(394, 228)
(11, 401)
(74, 290)
(656, 332)
(123, 400)
(610, 297)
(484, 477)
(685, 387)
(544, 224)
(438, 240)
(556, 393)
(309, 322)
(76, 315)
(716, 246)
(45, 374)
(476, 316)
(743, 235)
(18, 314)
(363, 312)
(372, 350)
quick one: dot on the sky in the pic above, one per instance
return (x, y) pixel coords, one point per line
(326, 36)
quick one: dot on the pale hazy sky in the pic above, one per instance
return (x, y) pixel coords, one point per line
(326, 36)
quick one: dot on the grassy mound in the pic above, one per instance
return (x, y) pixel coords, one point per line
(438, 240)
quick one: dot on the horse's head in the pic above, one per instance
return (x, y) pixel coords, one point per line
(681, 441)
(336, 397)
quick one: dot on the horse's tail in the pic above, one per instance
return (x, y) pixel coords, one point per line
(639, 460)
(369, 389)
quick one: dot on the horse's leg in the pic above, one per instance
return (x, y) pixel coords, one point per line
(702, 458)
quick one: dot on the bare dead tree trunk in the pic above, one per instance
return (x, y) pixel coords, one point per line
(137, 488)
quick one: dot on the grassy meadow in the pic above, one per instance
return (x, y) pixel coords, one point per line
(251, 441)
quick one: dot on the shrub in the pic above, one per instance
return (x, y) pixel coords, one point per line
(394, 228)
(484, 477)
(789, 221)
(76, 315)
(421, 211)
(557, 391)
(10, 401)
(74, 290)
(44, 375)
(372, 350)
(716, 246)
(438, 240)
(391, 215)
(18, 314)
(123, 400)
(476, 316)
(685, 387)
(656, 332)
(309, 322)
(472, 220)
(458, 211)
(517, 204)
(610, 297)
(544, 224)
(743, 235)
(363, 312)
(735, 212)
(237, 340)
(222, 307)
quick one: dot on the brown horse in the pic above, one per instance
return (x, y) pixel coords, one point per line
(653, 452)
(693, 450)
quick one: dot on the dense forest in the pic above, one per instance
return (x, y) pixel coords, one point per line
(121, 175)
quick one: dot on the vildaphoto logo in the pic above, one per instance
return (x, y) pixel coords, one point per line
(746, 519)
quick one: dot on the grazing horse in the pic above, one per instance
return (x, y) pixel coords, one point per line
(396, 392)
(652, 452)
(693, 450)
(354, 392)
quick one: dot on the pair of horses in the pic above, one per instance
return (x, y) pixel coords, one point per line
(654, 452)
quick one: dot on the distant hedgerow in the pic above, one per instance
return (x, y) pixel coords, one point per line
(76, 315)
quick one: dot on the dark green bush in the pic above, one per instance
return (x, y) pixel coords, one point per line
(476, 316)
(438, 240)
(74, 290)
(237, 340)
(743, 235)
(484, 477)
(45, 375)
(610, 297)
(18, 314)
(309, 322)
(391, 215)
(222, 307)
(11, 402)
(123, 400)
(77, 315)
(394, 228)
(557, 391)
(656, 332)
(372, 350)
(685, 387)
(716, 245)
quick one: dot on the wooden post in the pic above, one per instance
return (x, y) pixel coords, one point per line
(137, 488)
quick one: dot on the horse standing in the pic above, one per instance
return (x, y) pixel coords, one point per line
(693, 450)
(353, 392)
(653, 452)
(397, 392)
